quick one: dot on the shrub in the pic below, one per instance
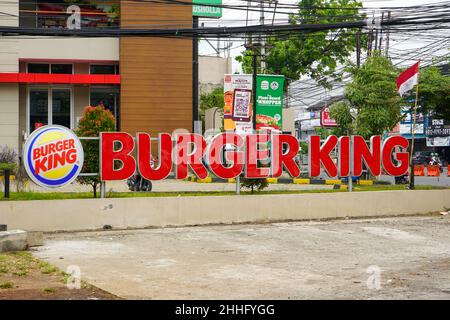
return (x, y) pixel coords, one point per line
(94, 120)
(8, 158)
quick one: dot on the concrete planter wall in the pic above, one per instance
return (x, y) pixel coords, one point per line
(120, 213)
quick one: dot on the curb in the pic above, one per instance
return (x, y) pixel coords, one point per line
(333, 182)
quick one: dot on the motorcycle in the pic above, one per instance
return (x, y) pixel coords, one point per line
(137, 183)
(402, 179)
(435, 161)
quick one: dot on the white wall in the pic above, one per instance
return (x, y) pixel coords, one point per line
(120, 213)
(9, 93)
(70, 48)
(211, 71)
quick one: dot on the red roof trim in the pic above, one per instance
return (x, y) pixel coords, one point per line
(59, 78)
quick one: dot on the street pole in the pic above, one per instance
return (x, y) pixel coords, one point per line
(261, 40)
(386, 52)
(358, 49)
(254, 90)
(413, 124)
(194, 74)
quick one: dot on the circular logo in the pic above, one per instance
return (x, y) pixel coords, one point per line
(274, 85)
(53, 156)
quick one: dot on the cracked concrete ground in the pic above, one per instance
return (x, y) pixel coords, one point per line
(389, 258)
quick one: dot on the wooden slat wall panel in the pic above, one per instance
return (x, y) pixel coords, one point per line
(156, 73)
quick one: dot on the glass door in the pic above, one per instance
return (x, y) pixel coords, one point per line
(38, 108)
(50, 106)
(61, 107)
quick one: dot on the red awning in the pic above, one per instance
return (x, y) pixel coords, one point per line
(59, 78)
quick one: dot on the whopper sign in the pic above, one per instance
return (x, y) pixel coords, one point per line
(54, 156)
(269, 101)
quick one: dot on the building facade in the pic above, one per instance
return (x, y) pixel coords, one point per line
(146, 82)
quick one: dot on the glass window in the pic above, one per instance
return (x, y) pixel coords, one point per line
(107, 97)
(38, 108)
(61, 68)
(49, 106)
(61, 107)
(53, 13)
(104, 69)
(38, 68)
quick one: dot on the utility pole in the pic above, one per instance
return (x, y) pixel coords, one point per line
(358, 48)
(381, 32)
(261, 40)
(255, 66)
(386, 52)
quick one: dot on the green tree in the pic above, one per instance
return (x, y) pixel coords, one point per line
(94, 120)
(373, 97)
(340, 112)
(313, 54)
(434, 92)
(213, 99)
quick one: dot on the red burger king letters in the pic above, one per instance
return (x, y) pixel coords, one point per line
(229, 154)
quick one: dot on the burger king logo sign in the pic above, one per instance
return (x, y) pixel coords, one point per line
(53, 156)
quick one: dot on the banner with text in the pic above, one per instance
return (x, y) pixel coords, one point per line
(269, 101)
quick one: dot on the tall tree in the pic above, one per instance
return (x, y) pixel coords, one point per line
(434, 91)
(314, 54)
(372, 97)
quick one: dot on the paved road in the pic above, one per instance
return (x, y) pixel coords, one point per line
(442, 181)
(403, 258)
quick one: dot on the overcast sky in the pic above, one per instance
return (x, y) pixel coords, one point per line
(237, 18)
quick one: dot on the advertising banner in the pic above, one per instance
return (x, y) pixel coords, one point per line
(203, 10)
(269, 101)
(437, 128)
(239, 120)
(438, 133)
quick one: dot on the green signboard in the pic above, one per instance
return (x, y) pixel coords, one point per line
(269, 101)
(201, 8)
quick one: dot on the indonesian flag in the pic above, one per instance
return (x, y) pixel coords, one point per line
(408, 79)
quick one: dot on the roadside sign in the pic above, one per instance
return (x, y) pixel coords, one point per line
(269, 101)
(325, 119)
(201, 8)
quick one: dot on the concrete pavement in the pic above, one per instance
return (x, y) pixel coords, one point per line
(389, 258)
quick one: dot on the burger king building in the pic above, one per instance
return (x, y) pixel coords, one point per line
(146, 82)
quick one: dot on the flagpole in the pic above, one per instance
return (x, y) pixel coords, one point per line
(411, 164)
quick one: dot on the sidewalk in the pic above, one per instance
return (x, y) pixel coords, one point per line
(392, 258)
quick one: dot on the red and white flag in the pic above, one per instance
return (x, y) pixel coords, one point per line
(408, 79)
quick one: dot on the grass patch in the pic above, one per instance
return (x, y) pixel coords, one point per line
(47, 268)
(49, 290)
(6, 285)
(20, 264)
(88, 195)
